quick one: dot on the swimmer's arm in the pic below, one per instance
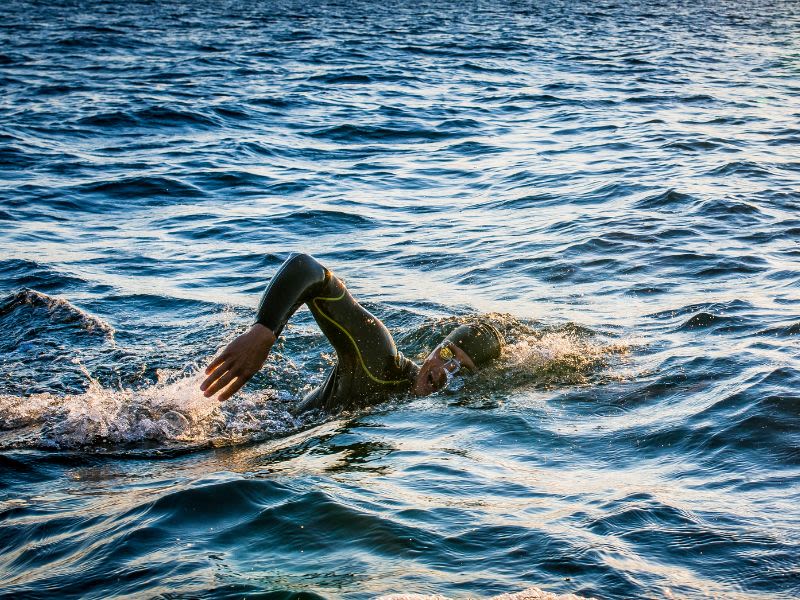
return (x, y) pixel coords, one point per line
(298, 280)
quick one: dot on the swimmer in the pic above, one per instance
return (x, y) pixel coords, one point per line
(368, 365)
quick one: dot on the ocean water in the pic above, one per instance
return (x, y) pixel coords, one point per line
(615, 183)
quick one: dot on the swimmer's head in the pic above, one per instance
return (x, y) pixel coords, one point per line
(467, 346)
(480, 341)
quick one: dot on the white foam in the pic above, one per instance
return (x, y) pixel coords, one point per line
(168, 411)
(552, 358)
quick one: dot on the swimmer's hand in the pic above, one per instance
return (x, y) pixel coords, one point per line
(238, 362)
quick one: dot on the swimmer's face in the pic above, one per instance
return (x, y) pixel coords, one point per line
(432, 376)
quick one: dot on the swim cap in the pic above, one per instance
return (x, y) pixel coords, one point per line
(480, 341)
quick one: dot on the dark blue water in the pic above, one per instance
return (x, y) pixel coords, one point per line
(617, 183)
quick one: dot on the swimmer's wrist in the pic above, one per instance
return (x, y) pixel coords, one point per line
(263, 333)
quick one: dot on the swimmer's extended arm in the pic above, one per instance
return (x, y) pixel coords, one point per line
(296, 282)
(367, 358)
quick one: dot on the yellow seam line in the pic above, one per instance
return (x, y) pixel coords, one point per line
(355, 345)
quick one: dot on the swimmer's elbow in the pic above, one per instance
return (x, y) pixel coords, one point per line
(304, 267)
(302, 261)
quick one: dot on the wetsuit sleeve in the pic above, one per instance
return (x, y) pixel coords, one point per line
(368, 361)
(299, 279)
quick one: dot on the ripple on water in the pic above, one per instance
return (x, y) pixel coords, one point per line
(141, 188)
(388, 133)
(150, 117)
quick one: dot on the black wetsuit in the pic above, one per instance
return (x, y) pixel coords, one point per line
(369, 365)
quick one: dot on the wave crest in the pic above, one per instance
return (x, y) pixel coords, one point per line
(58, 310)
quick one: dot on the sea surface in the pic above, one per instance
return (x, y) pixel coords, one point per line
(616, 184)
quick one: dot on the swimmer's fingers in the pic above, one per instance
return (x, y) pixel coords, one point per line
(234, 387)
(223, 366)
(220, 382)
(216, 362)
(240, 360)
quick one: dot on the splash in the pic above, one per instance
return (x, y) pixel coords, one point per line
(567, 355)
(546, 358)
(171, 412)
(536, 355)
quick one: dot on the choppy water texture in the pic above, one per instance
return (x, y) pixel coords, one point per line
(617, 183)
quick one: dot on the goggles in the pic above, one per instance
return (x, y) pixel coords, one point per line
(451, 366)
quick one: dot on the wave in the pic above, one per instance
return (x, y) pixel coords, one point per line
(669, 199)
(457, 124)
(23, 273)
(153, 116)
(531, 593)
(58, 89)
(733, 425)
(659, 99)
(231, 112)
(734, 212)
(43, 338)
(81, 42)
(143, 187)
(342, 78)
(584, 129)
(744, 168)
(321, 220)
(272, 102)
(729, 307)
(57, 310)
(698, 145)
(782, 331)
(472, 148)
(384, 133)
(243, 181)
(478, 68)
(790, 136)
(14, 157)
(438, 50)
(741, 265)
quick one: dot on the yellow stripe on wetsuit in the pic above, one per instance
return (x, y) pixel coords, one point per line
(355, 344)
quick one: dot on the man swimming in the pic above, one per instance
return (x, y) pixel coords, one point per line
(368, 363)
